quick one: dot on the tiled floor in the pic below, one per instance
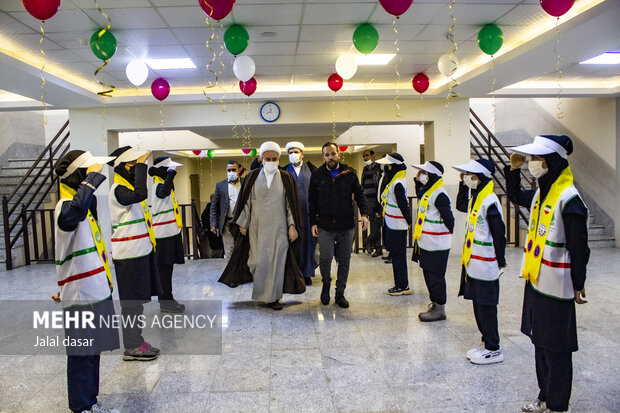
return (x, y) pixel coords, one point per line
(374, 356)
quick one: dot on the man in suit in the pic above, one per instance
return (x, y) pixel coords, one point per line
(223, 205)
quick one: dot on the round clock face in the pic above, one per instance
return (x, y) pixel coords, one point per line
(270, 112)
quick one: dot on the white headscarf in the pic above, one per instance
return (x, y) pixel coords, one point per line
(269, 146)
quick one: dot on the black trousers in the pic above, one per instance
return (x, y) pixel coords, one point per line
(375, 231)
(486, 319)
(82, 382)
(396, 242)
(436, 284)
(165, 277)
(132, 334)
(554, 371)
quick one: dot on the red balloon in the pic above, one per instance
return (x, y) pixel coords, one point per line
(197, 152)
(420, 82)
(343, 148)
(396, 7)
(41, 9)
(248, 88)
(335, 82)
(160, 88)
(246, 150)
(556, 8)
(217, 9)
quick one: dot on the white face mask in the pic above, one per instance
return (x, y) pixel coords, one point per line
(368, 162)
(270, 167)
(423, 179)
(536, 169)
(232, 176)
(469, 181)
(294, 158)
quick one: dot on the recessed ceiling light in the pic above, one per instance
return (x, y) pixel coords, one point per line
(269, 34)
(161, 64)
(373, 59)
(609, 58)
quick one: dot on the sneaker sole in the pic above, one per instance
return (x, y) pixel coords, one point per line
(136, 358)
(401, 293)
(433, 319)
(483, 362)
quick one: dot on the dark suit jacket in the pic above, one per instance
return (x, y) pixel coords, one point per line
(219, 206)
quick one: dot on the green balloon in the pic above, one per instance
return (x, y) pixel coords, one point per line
(236, 39)
(103, 47)
(490, 39)
(211, 153)
(365, 38)
(253, 152)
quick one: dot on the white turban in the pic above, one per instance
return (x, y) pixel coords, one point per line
(297, 145)
(269, 146)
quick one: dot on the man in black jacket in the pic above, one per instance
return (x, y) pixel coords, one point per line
(330, 205)
(371, 175)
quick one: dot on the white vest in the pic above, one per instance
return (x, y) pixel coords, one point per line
(554, 278)
(435, 235)
(394, 218)
(483, 263)
(130, 236)
(164, 221)
(81, 275)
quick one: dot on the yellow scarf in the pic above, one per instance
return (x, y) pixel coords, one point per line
(145, 208)
(423, 207)
(175, 204)
(66, 192)
(539, 225)
(384, 194)
(472, 221)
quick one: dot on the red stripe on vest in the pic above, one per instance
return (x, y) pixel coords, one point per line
(394, 216)
(478, 257)
(130, 238)
(436, 233)
(80, 276)
(555, 264)
(164, 223)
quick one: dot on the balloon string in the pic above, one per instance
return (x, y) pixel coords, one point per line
(349, 109)
(244, 134)
(558, 68)
(210, 85)
(235, 124)
(334, 117)
(493, 105)
(107, 89)
(210, 170)
(222, 66)
(43, 88)
(422, 106)
(366, 101)
(453, 82)
(135, 102)
(397, 81)
(247, 113)
(161, 115)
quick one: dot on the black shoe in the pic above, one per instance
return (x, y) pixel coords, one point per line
(387, 257)
(325, 293)
(388, 261)
(308, 280)
(377, 253)
(171, 306)
(276, 305)
(341, 301)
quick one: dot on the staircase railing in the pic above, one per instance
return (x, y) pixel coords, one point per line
(191, 234)
(56, 149)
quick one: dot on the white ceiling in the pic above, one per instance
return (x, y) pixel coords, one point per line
(310, 35)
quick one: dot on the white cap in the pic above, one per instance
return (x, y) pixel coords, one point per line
(297, 145)
(167, 163)
(269, 146)
(128, 156)
(473, 167)
(389, 160)
(428, 167)
(84, 161)
(541, 146)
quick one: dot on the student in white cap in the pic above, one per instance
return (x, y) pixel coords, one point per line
(432, 234)
(133, 247)
(397, 218)
(84, 277)
(554, 267)
(268, 217)
(301, 172)
(483, 255)
(167, 223)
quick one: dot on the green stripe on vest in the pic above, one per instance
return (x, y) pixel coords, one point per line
(486, 244)
(163, 212)
(137, 221)
(393, 206)
(77, 254)
(555, 244)
(433, 222)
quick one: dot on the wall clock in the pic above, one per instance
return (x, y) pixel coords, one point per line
(270, 112)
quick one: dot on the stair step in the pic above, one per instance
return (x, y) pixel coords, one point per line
(601, 241)
(596, 230)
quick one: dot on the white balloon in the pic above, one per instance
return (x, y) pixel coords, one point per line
(447, 64)
(244, 68)
(346, 66)
(137, 71)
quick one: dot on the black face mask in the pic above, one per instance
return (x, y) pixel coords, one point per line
(129, 175)
(75, 179)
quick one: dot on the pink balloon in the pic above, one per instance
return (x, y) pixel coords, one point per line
(556, 8)
(420, 82)
(396, 7)
(197, 152)
(248, 88)
(160, 88)
(41, 9)
(246, 150)
(217, 9)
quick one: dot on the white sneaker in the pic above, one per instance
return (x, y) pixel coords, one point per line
(475, 350)
(96, 408)
(553, 411)
(536, 406)
(487, 357)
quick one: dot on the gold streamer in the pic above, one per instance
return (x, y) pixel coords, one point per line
(235, 124)
(210, 85)
(558, 68)
(211, 171)
(219, 59)
(453, 82)
(334, 117)
(107, 89)
(135, 102)
(493, 105)
(396, 83)
(43, 88)
(366, 108)
(163, 133)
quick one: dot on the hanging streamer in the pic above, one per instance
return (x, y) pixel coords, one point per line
(366, 108)
(210, 170)
(235, 124)
(213, 72)
(161, 123)
(107, 89)
(135, 102)
(493, 105)
(453, 82)
(558, 68)
(222, 67)
(43, 88)
(334, 117)
(396, 83)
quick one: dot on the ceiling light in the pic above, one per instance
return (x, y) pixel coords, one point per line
(269, 34)
(160, 64)
(373, 59)
(609, 58)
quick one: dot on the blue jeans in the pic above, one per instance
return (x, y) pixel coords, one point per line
(327, 245)
(82, 382)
